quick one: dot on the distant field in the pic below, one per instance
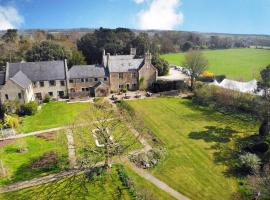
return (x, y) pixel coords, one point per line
(238, 64)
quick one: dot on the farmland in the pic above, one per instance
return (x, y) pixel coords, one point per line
(238, 64)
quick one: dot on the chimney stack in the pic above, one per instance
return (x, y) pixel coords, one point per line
(148, 59)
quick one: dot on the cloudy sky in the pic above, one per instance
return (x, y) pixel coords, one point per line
(226, 16)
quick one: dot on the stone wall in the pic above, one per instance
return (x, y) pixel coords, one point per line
(147, 76)
(47, 88)
(10, 91)
(77, 85)
(129, 81)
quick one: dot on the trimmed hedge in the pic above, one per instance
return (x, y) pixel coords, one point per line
(162, 86)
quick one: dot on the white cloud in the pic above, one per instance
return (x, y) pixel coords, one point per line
(138, 1)
(9, 18)
(161, 14)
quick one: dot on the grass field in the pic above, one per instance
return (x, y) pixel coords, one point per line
(238, 64)
(105, 187)
(192, 136)
(19, 166)
(52, 115)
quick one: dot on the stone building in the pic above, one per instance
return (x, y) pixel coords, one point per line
(34, 80)
(84, 79)
(27, 81)
(129, 72)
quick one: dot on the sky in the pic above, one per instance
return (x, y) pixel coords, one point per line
(221, 16)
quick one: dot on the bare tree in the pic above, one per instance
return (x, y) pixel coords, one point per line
(196, 63)
(102, 135)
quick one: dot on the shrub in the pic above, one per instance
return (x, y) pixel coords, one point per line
(162, 86)
(11, 121)
(249, 162)
(29, 108)
(220, 78)
(226, 99)
(47, 99)
(207, 74)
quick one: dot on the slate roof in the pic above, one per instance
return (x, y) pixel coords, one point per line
(87, 71)
(39, 71)
(21, 79)
(100, 83)
(125, 63)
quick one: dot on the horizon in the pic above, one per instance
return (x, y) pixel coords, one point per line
(244, 17)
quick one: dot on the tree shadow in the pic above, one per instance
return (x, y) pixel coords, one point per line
(225, 153)
(37, 167)
(214, 134)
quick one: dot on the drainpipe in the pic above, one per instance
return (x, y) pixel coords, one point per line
(66, 76)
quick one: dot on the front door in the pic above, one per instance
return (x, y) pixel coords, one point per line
(61, 94)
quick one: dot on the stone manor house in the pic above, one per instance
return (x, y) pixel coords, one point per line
(27, 81)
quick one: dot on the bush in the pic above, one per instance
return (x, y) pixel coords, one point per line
(220, 78)
(249, 162)
(207, 74)
(47, 99)
(11, 121)
(29, 108)
(162, 86)
(226, 99)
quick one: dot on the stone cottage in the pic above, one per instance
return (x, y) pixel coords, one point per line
(129, 72)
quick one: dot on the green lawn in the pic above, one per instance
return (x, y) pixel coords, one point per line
(239, 64)
(19, 166)
(105, 187)
(52, 115)
(192, 136)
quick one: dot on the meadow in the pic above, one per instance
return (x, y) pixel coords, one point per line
(237, 64)
(193, 138)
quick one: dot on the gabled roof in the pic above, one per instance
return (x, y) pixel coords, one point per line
(86, 71)
(39, 71)
(100, 83)
(125, 63)
(21, 79)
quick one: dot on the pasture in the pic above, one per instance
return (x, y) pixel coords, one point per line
(237, 64)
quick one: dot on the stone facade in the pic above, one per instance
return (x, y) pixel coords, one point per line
(12, 91)
(28, 81)
(56, 89)
(85, 84)
(124, 80)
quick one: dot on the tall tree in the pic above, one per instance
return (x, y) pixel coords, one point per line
(196, 63)
(161, 65)
(76, 58)
(11, 36)
(264, 85)
(45, 51)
